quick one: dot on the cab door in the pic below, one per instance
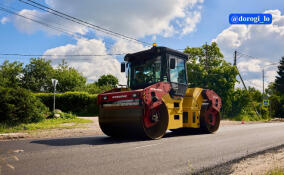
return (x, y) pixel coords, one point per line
(177, 75)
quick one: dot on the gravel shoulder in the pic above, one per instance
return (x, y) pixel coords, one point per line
(256, 164)
(87, 129)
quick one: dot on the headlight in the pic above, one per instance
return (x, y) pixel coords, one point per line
(134, 95)
(105, 97)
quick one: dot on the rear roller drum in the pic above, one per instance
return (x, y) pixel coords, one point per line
(209, 119)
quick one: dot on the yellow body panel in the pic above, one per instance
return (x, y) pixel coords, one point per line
(184, 111)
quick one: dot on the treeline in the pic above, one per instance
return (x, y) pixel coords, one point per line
(25, 91)
(36, 77)
(275, 91)
(207, 68)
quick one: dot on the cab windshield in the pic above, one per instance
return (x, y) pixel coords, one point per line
(142, 75)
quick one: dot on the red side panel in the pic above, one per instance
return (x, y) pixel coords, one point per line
(153, 99)
(213, 98)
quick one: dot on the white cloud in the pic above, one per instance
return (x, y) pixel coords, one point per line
(191, 21)
(130, 17)
(4, 20)
(123, 46)
(265, 42)
(94, 66)
(250, 65)
(28, 26)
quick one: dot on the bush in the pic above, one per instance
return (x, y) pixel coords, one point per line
(79, 103)
(67, 115)
(20, 106)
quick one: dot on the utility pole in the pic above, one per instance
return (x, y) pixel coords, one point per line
(54, 83)
(235, 64)
(206, 57)
(263, 82)
(270, 112)
(235, 58)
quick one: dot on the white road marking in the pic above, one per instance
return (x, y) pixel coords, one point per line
(147, 145)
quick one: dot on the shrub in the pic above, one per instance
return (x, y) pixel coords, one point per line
(67, 115)
(20, 106)
(79, 103)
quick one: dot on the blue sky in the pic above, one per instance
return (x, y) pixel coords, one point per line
(210, 19)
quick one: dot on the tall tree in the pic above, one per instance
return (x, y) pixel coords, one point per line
(276, 92)
(207, 68)
(11, 74)
(108, 80)
(69, 79)
(37, 75)
(279, 81)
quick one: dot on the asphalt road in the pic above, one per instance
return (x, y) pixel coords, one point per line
(174, 154)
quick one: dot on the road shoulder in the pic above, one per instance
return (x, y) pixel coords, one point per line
(260, 163)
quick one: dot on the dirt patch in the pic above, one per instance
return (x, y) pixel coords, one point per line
(258, 164)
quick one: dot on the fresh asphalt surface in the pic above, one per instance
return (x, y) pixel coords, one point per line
(174, 154)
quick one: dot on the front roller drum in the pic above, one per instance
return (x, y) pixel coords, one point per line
(129, 122)
(209, 119)
(158, 130)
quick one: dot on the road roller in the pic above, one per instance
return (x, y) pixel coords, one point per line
(157, 98)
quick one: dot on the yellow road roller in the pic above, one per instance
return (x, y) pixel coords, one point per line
(157, 98)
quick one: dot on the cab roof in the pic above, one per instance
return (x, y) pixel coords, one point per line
(152, 52)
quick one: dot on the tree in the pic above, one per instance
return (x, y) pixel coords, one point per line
(10, 74)
(108, 80)
(276, 101)
(19, 105)
(37, 75)
(212, 73)
(240, 102)
(255, 94)
(276, 92)
(94, 88)
(69, 78)
(279, 81)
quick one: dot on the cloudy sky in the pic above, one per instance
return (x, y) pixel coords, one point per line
(171, 23)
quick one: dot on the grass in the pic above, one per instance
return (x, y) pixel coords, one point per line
(45, 124)
(276, 172)
(248, 118)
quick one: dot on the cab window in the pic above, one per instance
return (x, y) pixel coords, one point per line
(177, 75)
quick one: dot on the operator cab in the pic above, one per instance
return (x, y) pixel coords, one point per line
(158, 64)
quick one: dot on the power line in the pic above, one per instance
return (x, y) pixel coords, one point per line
(54, 28)
(80, 21)
(43, 55)
(241, 54)
(36, 21)
(59, 29)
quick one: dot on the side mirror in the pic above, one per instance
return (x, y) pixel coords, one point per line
(172, 63)
(122, 69)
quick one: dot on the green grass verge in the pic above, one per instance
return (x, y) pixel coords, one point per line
(276, 172)
(248, 118)
(45, 124)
